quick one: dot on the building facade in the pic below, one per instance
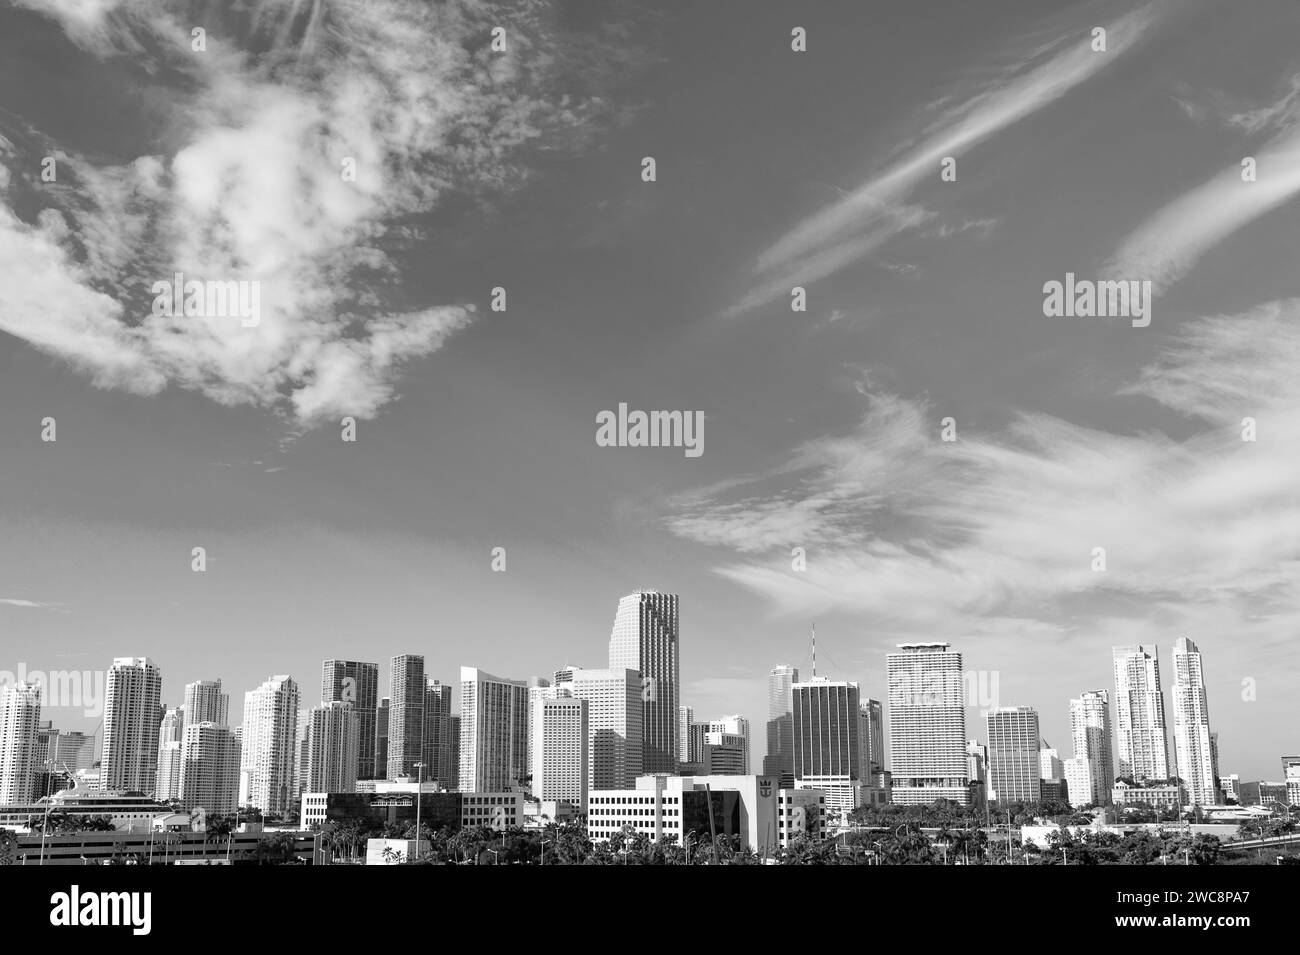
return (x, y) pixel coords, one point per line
(1142, 742)
(828, 751)
(356, 682)
(1014, 771)
(927, 717)
(20, 715)
(1091, 738)
(132, 715)
(269, 756)
(646, 638)
(779, 758)
(493, 731)
(1193, 744)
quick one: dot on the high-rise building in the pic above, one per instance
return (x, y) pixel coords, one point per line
(333, 741)
(559, 741)
(381, 738)
(685, 719)
(734, 726)
(493, 731)
(1014, 774)
(927, 719)
(1140, 713)
(1192, 743)
(206, 703)
(646, 638)
(724, 754)
(1090, 736)
(170, 734)
(20, 715)
(977, 761)
(779, 759)
(827, 745)
(269, 756)
(132, 714)
(406, 715)
(75, 751)
(539, 688)
(1231, 787)
(1081, 778)
(614, 730)
(350, 681)
(873, 725)
(441, 736)
(210, 770)
(1050, 764)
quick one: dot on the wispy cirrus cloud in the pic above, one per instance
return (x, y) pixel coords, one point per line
(244, 181)
(864, 219)
(1169, 243)
(994, 533)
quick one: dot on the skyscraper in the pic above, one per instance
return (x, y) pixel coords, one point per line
(685, 718)
(1140, 713)
(646, 638)
(206, 703)
(170, 734)
(614, 730)
(269, 745)
(1090, 733)
(20, 714)
(977, 761)
(493, 731)
(349, 681)
(406, 715)
(736, 726)
(927, 718)
(1193, 745)
(827, 740)
(75, 750)
(779, 760)
(873, 740)
(381, 738)
(441, 735)
(210, 770)
(132, 716)
(559, 741)
(333, 740)
(1014, 768)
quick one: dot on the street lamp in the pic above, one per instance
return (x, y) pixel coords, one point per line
(419, 791)
(688, 846)
(544, 842)
(496, 856)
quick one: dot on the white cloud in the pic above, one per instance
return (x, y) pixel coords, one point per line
(249, 187)
(994, 533)
(846, 231)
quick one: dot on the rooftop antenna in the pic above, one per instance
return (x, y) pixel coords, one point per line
(814, 638)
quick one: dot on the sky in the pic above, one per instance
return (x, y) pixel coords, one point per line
(522, 168)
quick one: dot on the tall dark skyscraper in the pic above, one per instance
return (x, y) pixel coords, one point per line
(381, 738)
(347, 681)
(441, 745)
(406, 715)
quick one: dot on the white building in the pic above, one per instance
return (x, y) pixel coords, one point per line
(1090, 735)
(1050, 765)
(1192, 742)
(496, 810)
(206, 703)
(1140, 713)
(927, 718)
(614, 714)
(559, 733)
(646, 638)
(685, 809)
(170, 739)
(493, 731)
(269, 745)
(210, 768)
(20, 714)
(131, 718)
(1081, 783)
(333, 747)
